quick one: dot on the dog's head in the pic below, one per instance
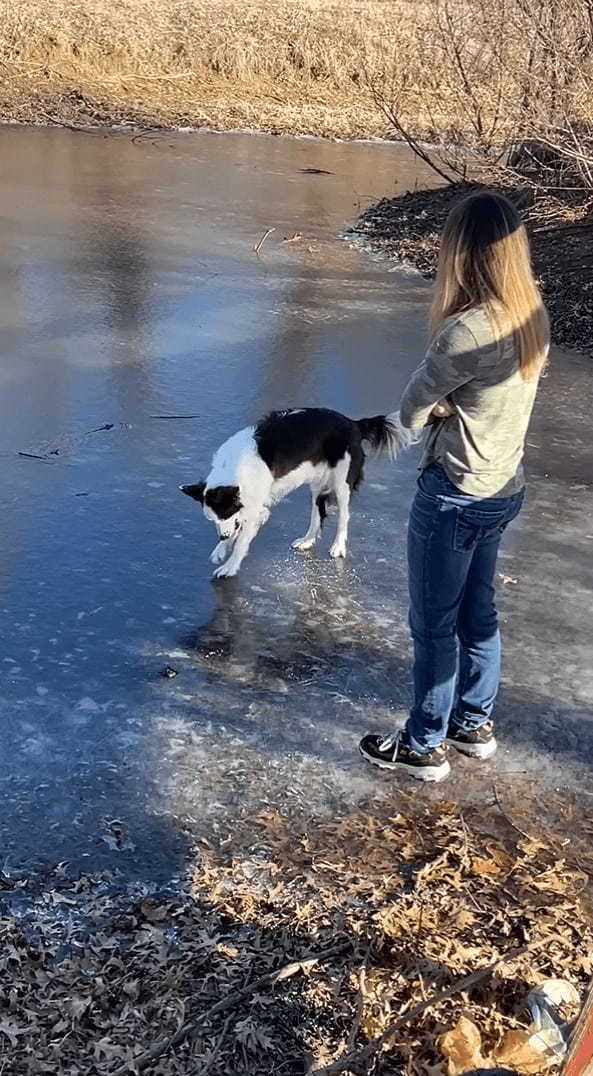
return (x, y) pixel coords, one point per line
(222, 506)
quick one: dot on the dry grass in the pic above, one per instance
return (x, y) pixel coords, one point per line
(452, 69)
(281, 65)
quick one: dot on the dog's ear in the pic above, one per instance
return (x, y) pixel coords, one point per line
(196, 492)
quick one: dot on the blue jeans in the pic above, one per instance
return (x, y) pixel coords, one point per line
(453, 542)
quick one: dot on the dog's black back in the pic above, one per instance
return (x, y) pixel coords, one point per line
(286, 439)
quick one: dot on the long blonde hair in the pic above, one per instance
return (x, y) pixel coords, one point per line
(485, 261)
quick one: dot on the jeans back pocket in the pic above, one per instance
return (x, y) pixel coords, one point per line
(473, 524)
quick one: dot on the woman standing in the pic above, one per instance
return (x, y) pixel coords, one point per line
(475, 390)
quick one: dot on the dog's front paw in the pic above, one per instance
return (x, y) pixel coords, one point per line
(218, 554)
(338, 549)
(303, 544)
(226, 571)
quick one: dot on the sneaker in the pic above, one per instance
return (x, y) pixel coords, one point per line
(480, 743)
(394, 753)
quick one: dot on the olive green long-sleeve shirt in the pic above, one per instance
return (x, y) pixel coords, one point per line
(481, 446)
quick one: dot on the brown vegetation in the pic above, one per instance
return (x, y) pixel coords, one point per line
(373, 919)
(282, 65)
(459, 70)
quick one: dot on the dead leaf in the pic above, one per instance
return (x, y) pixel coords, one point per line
(502, 858)
(106, 1049)
(12, 1031)
(252, 1035)
(507, 580)
(115, 836)
(462, 1048)
(531, 847)
(153, 912)
(485, 867)
(60, 898)
(464, 918)
(527, 1052)
(228, 950)
(76, 1006)
(144, 960)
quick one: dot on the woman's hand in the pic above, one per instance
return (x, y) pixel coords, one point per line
(443, 409)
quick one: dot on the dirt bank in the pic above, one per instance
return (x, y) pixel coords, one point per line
(218, 104)
(561, 230)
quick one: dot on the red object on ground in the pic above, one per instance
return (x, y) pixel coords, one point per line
(580, 1054)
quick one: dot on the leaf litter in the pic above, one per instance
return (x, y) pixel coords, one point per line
(294, 944)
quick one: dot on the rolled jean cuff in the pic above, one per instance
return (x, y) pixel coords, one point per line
(422, 748)
(468, 722)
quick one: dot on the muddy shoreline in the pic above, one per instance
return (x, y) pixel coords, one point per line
(216, 104)
(407, 229)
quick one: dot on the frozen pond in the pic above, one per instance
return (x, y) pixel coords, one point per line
(131, 293)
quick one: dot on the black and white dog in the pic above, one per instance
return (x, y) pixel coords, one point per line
(260, 465)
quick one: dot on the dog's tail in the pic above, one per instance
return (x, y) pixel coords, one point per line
(386, 435)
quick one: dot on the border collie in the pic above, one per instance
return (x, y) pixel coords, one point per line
(260, 465)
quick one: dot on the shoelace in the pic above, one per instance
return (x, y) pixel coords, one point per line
(390, 741)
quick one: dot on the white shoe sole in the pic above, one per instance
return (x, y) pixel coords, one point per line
(426, 773)
(480, 751)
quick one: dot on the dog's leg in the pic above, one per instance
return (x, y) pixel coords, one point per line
(242, 543)
(221, 551)
(342, 494)
(314, 526)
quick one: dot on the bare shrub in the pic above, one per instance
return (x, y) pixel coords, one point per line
(511, 89)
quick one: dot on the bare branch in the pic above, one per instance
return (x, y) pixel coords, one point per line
(486, 93)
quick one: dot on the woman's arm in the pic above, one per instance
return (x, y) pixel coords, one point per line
(450, 362)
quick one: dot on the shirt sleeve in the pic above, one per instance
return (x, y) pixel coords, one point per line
(451, 361)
